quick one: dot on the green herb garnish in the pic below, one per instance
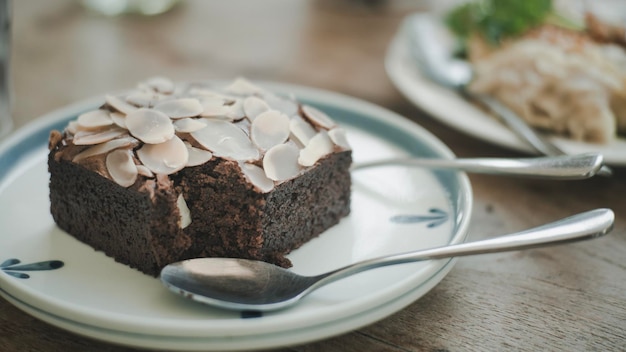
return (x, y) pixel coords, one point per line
(495, 20)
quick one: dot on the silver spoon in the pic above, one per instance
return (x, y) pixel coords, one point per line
(242, 284)
(432, 49)
(564, 167)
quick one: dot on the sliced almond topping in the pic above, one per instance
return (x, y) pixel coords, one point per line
(94, 119)
(318, 117)
(164, 158)
(99, 136)
(204, 93)
(188, 125)
(257, 177)
(106, 147)
(235, 110)
(281, 162)
(119, 104)
(338, 136)
(144, 171)
(143, 99)
(244, 125)
(242, 86)
(214, 107)
(185, 214)
(226, 140)
(254, 106)
(318, 147)
(121, 167)
(302, 130)
(119, 119)
(179, 108)
(269, 129)
(72, 127)
(161, 85)
(197, 156)
(150, 126)
(285, 105)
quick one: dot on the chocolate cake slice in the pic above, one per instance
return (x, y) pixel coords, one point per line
(169, 171)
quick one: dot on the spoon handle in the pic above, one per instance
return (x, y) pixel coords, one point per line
(583, 226)
(570, 167)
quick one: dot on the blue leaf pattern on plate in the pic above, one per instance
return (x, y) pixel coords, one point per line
(12, 267)
(248, 314)
(436, 217)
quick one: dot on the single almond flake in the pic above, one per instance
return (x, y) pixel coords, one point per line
(119, 104)
(106, 147)
(150, 126)
(254, 106)
(197, 156)
(204, 93)
(94, 119)
(161, 84)
(143, 99)
(269, 129)
(183, 209)
(235, 110)
(98, 136)
(318, 147)
(119, 119)
(144, 171)
(302, 130)
(121, 167)
(287, 106)
(257, 177)
(338, 136)
(242, 86)
(226, 140)
(318, 117)
(244, 125)
(164, 158)
(72, 127)
(142, 87)
(214, 107)
(179, 108)
(281, 162)
(188, 125)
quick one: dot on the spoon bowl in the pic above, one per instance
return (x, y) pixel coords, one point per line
(243, 284)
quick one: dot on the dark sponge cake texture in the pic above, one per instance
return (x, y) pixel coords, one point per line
(231, 219)
(140, 226)
(135, 227)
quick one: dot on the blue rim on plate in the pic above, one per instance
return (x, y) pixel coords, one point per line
(430, 208)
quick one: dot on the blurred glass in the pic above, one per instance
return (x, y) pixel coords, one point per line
(6, 123)
(120, 7)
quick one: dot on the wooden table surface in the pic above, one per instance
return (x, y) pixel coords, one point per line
(567, 298)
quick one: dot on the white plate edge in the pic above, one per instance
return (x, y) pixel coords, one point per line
(311, 94)
(399, 73)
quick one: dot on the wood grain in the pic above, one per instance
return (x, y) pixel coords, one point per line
(568, 298)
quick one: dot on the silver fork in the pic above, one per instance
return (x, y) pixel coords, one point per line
(437, 63)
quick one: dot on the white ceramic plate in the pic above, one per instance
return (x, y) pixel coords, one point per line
(451, 109)
(393, 210)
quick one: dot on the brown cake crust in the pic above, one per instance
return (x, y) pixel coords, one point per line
(135, 226)
(230, 218)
